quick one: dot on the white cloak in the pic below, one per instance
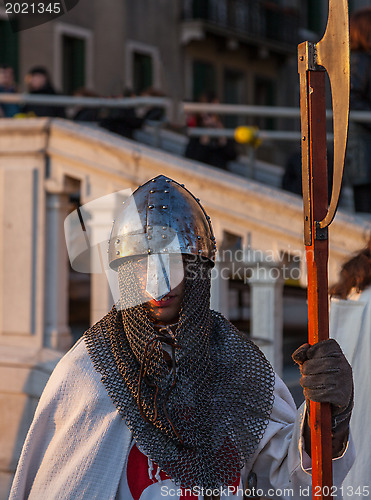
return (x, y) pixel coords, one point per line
(350, 325)
(78, 444)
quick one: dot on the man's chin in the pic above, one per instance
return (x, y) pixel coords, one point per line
(163, 318)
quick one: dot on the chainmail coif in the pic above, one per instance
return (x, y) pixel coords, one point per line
(202, 422)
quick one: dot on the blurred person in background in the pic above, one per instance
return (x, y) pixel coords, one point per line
(7, 85)
(358, 159)
(215, 151)
(38, 82)
(123, 121)
(152, 113)
(350, 325)
(84, 114)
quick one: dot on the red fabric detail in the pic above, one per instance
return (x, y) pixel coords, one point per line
(138, 479)
(191, 121)
(235, 485)
(137, 473)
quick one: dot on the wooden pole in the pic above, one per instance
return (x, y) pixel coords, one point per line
(317, 262)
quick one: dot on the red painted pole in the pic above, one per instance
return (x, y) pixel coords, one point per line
(317, 263)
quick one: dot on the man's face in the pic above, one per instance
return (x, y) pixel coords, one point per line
(166, 310)
(36, 81)
(6, 77)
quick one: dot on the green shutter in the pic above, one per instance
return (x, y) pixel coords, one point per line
(9, 46)
(143, 72)
(204, 78)
(73, 64)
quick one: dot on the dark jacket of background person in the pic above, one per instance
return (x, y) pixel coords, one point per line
(212, 153)
(215, 151)
(152, 113)
(122, 122)
(44, 109)
(84, 114)
(125, 121)
(46, 89)
(358, 158)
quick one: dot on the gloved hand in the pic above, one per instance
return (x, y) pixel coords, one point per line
(326, 374)
(326, 377)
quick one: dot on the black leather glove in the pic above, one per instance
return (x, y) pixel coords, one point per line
(326, 377)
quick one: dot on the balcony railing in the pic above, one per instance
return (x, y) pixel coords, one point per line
(255, 18)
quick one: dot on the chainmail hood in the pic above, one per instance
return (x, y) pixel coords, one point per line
(202, 420)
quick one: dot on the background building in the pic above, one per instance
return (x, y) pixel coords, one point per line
(183, 47)
(244, 51)
(240, 49)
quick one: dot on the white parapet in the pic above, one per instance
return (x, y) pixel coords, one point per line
(266, 285)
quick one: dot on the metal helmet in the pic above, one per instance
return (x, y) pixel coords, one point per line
(159, 219)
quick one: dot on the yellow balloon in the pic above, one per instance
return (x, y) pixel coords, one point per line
(244, 135)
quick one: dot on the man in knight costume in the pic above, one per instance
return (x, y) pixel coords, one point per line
(163, 396)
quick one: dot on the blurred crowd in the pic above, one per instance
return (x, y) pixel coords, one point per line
(38, 81)
(122, 121)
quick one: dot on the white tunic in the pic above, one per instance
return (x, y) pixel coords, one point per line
(78, 444)
(350, 325)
